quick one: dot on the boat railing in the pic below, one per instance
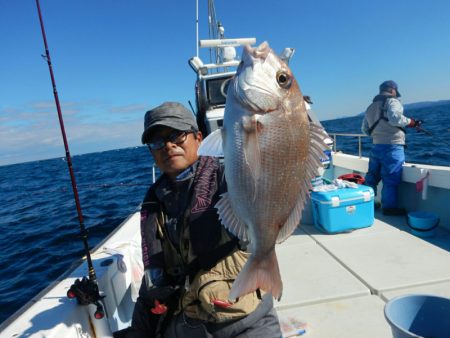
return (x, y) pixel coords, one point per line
(359, 136)
(154, 172)
(334, 135)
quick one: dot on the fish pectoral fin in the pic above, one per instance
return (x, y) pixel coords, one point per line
(212, 145)
(253, 155)
(229, 219)
(252, 127)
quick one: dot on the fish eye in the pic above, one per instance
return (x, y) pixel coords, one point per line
(283, 79)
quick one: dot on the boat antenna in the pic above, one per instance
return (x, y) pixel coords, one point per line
(86, 291)
(196, 25)
(212, 27)
(192, 108)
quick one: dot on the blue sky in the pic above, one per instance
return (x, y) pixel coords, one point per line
(113, 60)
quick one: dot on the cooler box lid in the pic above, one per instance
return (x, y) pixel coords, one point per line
(340, 196)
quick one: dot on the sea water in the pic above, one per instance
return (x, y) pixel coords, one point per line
(38, 220)
(420, 148)
(39, 224)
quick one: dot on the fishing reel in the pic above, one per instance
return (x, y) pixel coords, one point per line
(86, 292)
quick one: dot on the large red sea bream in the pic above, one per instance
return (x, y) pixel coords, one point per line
(271, 152)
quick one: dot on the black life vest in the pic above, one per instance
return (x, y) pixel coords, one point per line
(204, 241)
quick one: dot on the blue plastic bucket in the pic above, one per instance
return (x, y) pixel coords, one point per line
(422, 223)
(419, 316)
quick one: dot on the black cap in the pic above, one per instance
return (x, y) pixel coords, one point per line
(389, 85)
(169, 114)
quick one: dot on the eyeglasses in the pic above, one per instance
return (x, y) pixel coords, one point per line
(176, 137)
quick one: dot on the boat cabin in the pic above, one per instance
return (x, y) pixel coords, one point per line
(210, 95)
(213, 80)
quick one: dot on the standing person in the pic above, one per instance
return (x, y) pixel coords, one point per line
(384, 122)
(190, 259)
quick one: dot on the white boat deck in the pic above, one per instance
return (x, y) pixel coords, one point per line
(338, 284)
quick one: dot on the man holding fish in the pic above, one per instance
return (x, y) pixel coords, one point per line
(199, 279)
(190, 259)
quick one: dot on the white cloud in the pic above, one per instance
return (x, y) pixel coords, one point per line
(34, 133)
(132, 108)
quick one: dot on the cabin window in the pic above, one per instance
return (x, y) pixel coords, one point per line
(217, 90)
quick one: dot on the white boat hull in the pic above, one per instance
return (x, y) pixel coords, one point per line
(119, 272)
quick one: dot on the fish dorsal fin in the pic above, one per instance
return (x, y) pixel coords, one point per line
(317, 146)
(229, 219)
(212, 145)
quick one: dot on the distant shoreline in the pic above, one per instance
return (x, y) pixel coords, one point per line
(407, 106)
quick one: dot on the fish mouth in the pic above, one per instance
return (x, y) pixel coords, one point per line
(260, 52)
(252, 96)
(252, 93)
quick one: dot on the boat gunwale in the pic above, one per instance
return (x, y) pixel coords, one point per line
(73, 266)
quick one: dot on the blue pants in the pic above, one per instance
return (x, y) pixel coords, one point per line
(385, 163)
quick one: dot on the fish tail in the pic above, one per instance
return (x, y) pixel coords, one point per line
(256, 274)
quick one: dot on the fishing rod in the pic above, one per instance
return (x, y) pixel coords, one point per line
(85, 290)
(429, 133)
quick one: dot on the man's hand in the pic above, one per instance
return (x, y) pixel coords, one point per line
(415, 123)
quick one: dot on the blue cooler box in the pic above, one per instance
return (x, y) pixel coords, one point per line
(343, 209)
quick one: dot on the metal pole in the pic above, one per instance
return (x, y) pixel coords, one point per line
(66, 147)
(196, 25)
(359, 146)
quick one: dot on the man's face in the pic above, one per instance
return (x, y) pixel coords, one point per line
(174, 157)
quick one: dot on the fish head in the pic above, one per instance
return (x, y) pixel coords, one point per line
(263, 82)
